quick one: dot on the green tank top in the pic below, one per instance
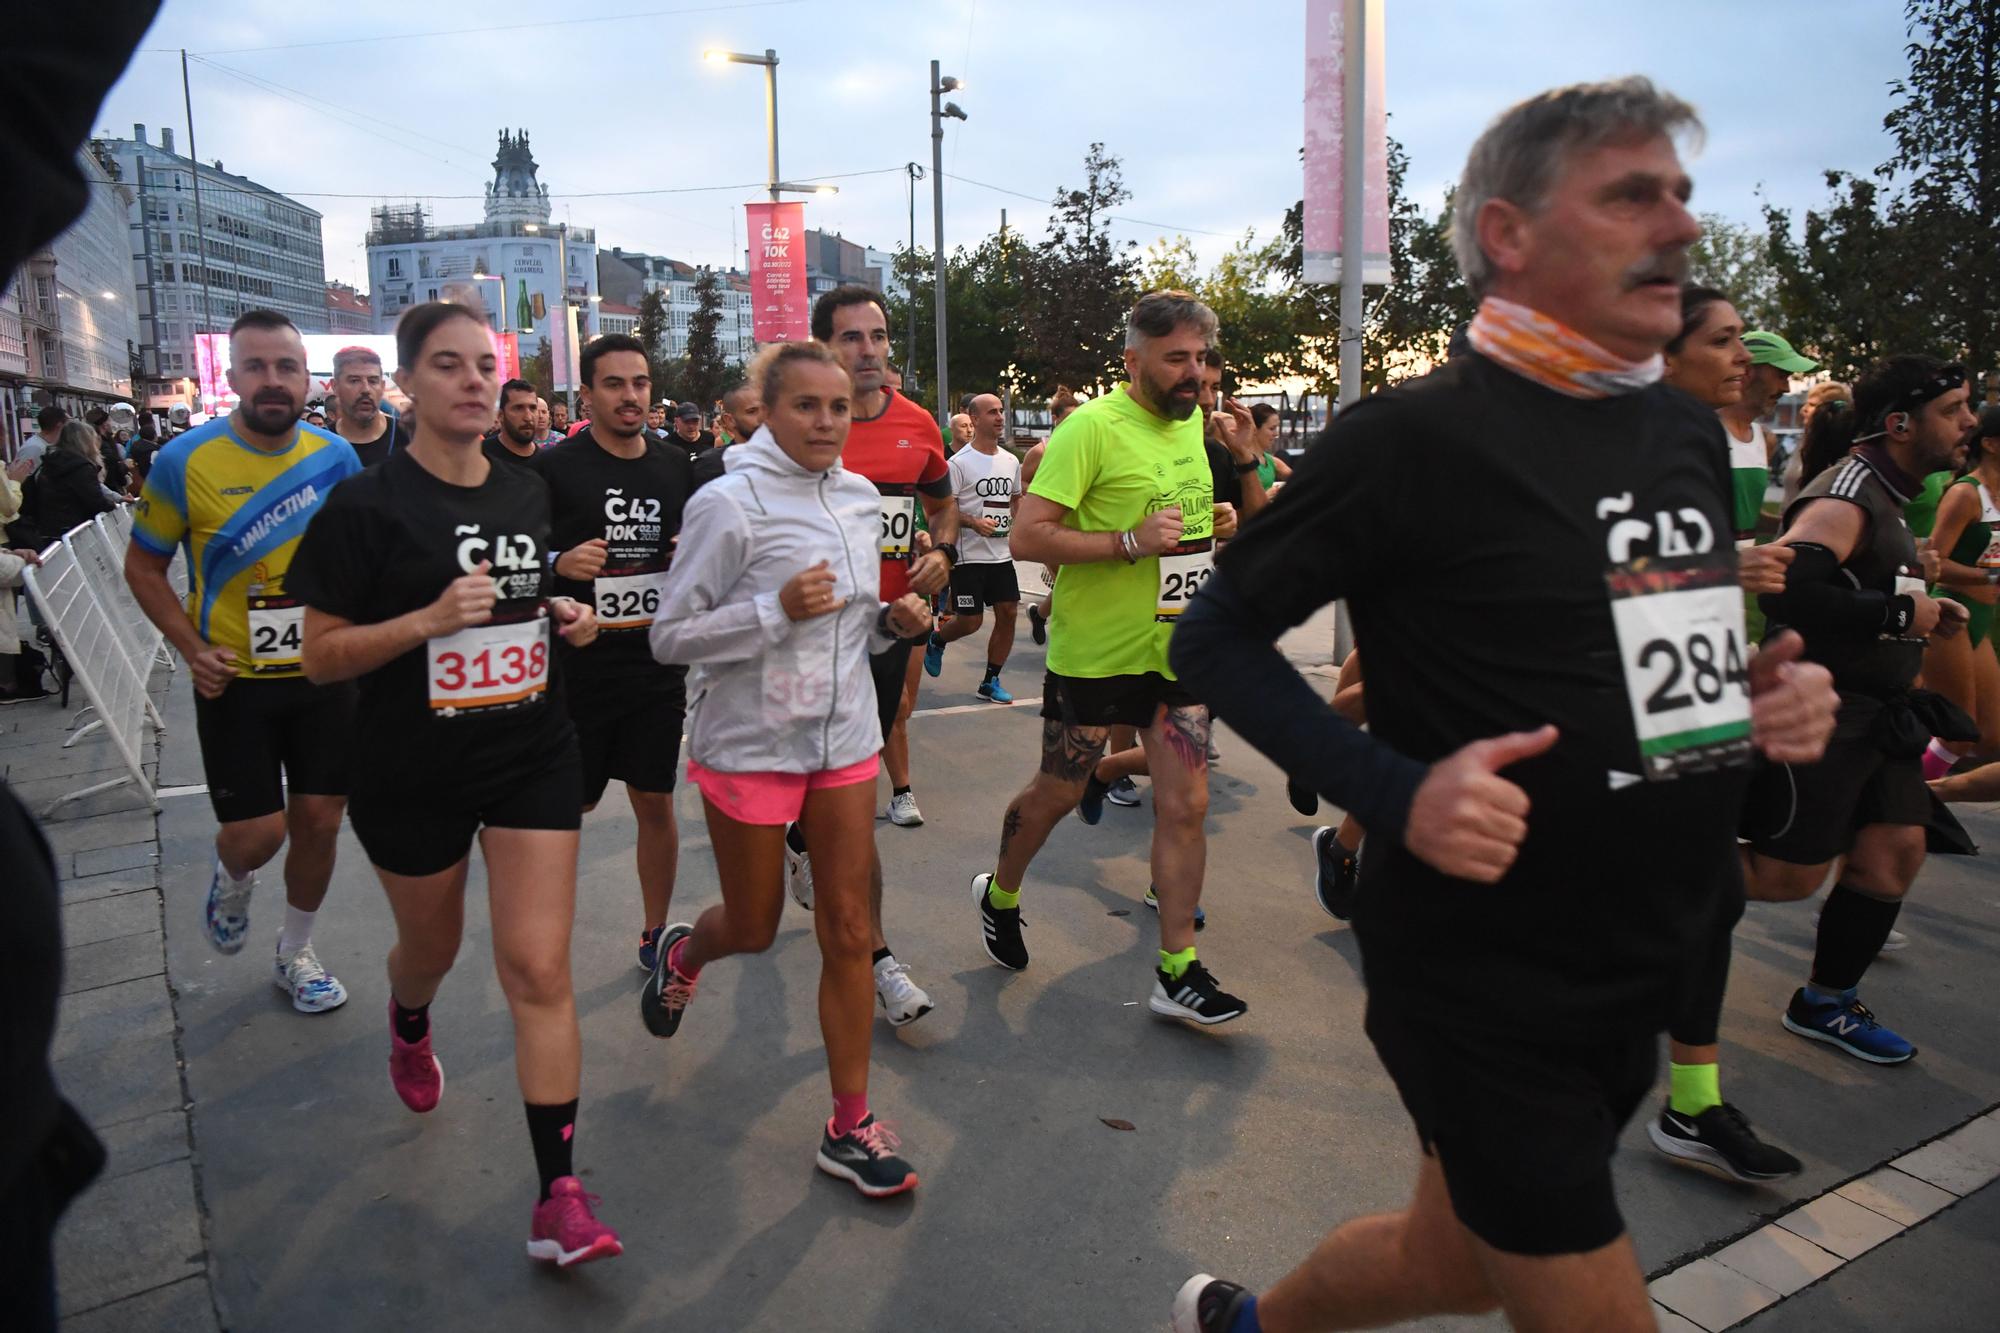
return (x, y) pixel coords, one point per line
(1977, 537)
(1921, 512)
(1267, 471)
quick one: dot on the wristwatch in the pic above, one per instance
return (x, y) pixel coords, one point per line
(950, 550)
(1245, 469)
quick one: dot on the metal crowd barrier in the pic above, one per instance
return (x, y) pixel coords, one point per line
(89, 612)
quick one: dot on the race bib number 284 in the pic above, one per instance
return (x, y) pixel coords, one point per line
(1685, 660)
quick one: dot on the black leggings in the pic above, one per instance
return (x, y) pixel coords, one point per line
(1700, 1017)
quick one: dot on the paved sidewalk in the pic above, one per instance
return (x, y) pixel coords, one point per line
(132, 1252)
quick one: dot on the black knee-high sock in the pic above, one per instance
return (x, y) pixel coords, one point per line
(1852, 930)
(552, 1130)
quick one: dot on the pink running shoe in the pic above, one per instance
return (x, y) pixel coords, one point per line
(565, 1233)
(415, 1071)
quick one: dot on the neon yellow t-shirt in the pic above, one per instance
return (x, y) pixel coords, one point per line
(1111, 463)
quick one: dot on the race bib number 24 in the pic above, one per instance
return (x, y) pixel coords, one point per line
(1685, 656)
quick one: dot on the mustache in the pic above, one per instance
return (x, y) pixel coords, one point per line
(1671, 265)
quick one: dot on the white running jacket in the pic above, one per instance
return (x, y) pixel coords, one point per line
(768, 694)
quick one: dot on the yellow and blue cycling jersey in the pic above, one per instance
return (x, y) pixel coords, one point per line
(238, 512)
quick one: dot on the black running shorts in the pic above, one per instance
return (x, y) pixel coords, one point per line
(1111, 701)
(1524, 1131)
(261, 736)
(891, 670)
(423, 833)
(974, 587)
(1808, 814)
(636, 739)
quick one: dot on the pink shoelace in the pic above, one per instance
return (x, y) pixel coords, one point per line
(879, 1138)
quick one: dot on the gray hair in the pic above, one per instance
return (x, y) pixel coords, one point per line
(1161, 313)
(1518, 156)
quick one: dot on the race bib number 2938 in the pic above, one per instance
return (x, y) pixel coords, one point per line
(1685, 659)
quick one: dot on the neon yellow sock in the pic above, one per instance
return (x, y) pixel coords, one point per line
(999, 897)
(1693, 1088)
(1174, 964)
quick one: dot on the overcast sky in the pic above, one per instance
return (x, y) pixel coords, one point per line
(1201, 101)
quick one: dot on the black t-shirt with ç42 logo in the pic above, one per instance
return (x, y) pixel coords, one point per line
(634, 506)
(474, 707)
(1513, 557)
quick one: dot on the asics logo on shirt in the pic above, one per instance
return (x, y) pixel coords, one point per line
(1683, 532)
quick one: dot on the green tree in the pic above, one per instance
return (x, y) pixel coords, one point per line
(1078, 285)
(1850, 280)
(1410, 324)
(538, 369)
(1946, 123)
(652, 330)
(1735, 259)
(705, 373)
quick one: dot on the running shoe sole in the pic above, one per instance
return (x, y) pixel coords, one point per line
(848, 1174)
(1703, 1157)
(1187, 1304)
(894, 1021)
(1831, 1040)
(552, 1252)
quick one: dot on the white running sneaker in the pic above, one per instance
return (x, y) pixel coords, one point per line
(799, 877)
(313, 989)
(1896, 943)
(226, 919)
(902, 999)
(903, 812)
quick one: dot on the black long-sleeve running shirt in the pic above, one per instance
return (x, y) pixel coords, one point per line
(1478, 525)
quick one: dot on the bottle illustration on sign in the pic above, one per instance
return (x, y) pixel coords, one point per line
(524, 314)
(541, 307)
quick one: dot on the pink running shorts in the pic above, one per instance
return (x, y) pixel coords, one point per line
(773, 798)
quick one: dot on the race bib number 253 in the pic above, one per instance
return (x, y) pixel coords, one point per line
(1685, 656)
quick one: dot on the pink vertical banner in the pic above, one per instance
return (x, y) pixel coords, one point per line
(1326, 41)
(781, 305)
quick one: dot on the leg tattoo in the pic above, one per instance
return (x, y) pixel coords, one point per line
(1186, 733)
(1009, 827)
(1070, 754)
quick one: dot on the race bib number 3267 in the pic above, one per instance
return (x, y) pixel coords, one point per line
(1685, 660)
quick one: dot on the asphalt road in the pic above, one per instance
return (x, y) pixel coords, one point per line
(328, 1203)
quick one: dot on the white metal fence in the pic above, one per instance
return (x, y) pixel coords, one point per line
(107, 645)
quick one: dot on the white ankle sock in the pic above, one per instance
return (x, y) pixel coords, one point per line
(298, 930)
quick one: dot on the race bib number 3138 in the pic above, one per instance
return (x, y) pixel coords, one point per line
(1685, 660)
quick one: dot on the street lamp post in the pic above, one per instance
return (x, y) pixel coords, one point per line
(769, 60)
(910, 288)
(562, 296)
(940, 112)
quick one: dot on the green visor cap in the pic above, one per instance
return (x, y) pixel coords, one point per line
(1768, 349)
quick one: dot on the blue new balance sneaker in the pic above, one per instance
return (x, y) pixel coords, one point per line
(1847, 1023)
(994, 692)
(933, 656)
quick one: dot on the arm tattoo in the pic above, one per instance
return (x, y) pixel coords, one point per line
(1069, 754)
(1186, 733)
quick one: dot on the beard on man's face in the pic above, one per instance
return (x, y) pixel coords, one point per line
(1176, 396)
(273, 413)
